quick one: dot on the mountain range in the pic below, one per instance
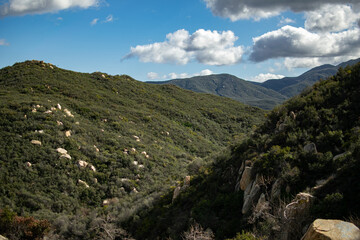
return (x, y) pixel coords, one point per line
(265, 95)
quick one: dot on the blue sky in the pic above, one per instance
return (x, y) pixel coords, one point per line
(164, 39)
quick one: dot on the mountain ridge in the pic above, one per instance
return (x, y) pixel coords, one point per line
(265, 95)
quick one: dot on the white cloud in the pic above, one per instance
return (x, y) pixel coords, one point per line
(206, 47)
(3, 42)
(153, 75)
(109, 18)
(331, 18)
(94, 21)
(258, 9)
(23, 7)
(156, 76)
(262, 77)
(299, 43)
(285, 21)
(311, 62)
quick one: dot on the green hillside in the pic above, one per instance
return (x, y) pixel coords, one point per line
(87, 151)
(230, 86)
(309, 144)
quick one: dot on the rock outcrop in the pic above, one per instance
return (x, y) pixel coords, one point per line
(245, 178)
(36, 142)
(322, 229)
(251, 195)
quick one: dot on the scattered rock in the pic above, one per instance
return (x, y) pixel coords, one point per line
(310, 148)
(340, 156)
(58, 106)
(53, 109)
(68, 113)
(141, 166)
(36, 142)
(77, 123)
(28, 164)
(137, 138)
(135, 163)
(48, 112)
(96, 149)
(39, 131)
(83, 183)
(134, 190)
(68, 133)
(133, 150)
(322, 229)
(110, 201)
(34, 110)
(245, 178)
(95, 180)
(61, 151)
(144, 153)
(82, 164)
(92, 168)
(59, 123)
(67, 156)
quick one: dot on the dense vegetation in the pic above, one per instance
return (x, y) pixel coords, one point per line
(126, 142)
(326, 117)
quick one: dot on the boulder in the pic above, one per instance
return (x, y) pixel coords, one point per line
(310, 148)
(28, 164)
(262, 206)
(67, 156)
(61, 151)
(245, 178)
(82, 164)
(322, 229)
(36, 142)
(282, 127)
(299, 207)
(68, 113)
(68, 133)
(292, 115)
(81, 182)
(58, 106)
(92, 168)
(3, 238)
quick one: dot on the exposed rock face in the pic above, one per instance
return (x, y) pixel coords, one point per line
(36, 142)
(176, 193)
(322, 229)
(245, 178)
(251, 196)
(186, 181)
(310, 148)
(3, 238)
(276, 189)
(262, 206)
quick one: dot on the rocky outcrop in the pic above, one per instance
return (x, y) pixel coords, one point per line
(179, 189)
(81, 182)
(322, 229)
(3, 238)
(276, 190)
(251, 195)
(245, 178)
(299, 207)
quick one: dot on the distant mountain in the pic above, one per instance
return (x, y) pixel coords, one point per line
(227, 85)
(291, 86)
(265, 95)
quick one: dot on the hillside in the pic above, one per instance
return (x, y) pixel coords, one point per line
(230, 86)
(309, 147)
(87, 151)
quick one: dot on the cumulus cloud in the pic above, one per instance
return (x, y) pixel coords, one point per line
(262, 77)
(156, 76)
(23, 7)
(94, 21)
(331, 18)
(295, 42)
(258, 9)
(3, 42)
(181, 47)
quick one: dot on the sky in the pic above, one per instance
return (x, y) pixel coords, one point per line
(158, 40)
